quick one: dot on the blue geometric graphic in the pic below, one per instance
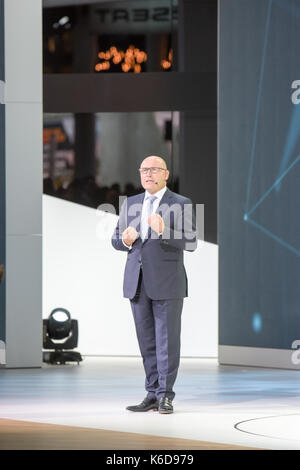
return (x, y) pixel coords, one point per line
(292, 138)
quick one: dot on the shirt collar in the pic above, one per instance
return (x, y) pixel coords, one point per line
(159, 194)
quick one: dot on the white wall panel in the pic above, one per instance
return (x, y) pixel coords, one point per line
(23, 50)
(21, 93)
(24, 168)
(23, 301)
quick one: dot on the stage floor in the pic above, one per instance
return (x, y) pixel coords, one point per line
(227, 405)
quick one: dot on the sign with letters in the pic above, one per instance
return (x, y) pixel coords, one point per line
(134, 17)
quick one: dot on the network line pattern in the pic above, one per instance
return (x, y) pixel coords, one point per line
(292, 137)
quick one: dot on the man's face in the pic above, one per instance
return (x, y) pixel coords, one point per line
(154, 181)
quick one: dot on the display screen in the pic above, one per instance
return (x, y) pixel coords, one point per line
(259, 173)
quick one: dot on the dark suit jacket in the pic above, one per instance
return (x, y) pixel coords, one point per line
(161, 256)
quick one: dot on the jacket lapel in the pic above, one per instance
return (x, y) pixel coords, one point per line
(141, 200)
(166, 199)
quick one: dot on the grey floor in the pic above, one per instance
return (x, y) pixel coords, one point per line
(246, 406)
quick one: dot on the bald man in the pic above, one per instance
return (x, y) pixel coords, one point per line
(154, 228)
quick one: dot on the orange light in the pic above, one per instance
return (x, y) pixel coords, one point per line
(51, 45)
(57, 132)
(139, 57)
(117, 59)
(102, 66)
(132, 58)
(165, 64)
(125, 67)
(129, 60)
(129, 53)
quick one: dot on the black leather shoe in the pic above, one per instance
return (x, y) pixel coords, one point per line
(165, 405)
(146, 405)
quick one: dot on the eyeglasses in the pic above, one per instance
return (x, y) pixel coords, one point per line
(153, 170)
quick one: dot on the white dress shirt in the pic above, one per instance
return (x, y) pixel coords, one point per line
(144, 217)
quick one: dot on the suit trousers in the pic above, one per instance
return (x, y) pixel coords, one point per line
(158, 328)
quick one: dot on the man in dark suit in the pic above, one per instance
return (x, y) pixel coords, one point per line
(155, 227)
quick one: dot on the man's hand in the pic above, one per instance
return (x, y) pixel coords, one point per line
(156, 223)
(129, 235)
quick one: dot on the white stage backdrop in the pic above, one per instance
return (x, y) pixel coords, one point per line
(84, 274)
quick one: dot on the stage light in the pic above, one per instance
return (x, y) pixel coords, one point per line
(64, 20)
(60, 336)
(59, 324)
